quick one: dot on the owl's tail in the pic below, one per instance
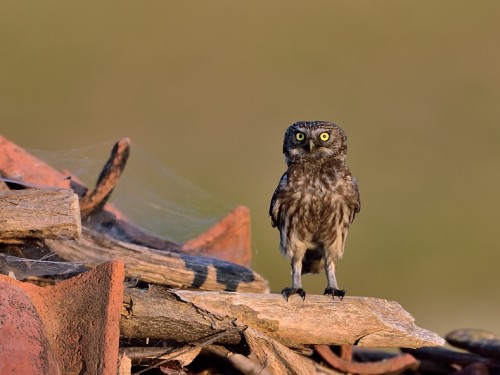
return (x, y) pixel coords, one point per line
(313, 261)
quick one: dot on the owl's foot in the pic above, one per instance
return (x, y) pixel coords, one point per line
(334, 292)
(287, 292)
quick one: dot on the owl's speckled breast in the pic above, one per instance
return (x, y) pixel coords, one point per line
(313, 200)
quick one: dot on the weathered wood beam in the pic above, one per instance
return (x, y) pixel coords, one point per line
(182, 315)
(159, 313)
(170, 268)
(39, 214)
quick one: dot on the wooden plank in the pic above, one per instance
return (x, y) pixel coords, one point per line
(364, 321)
(39, 214)
(165, 267)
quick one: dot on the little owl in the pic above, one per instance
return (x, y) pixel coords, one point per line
(315, 202)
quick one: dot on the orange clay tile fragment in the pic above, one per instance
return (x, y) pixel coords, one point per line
(80, 318)
(229, 239)
(24, 347)
(17, 164)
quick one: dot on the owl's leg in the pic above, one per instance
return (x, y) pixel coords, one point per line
(296, 277)
(332, 289)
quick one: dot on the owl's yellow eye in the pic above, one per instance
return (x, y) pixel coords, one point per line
(324, 136)
(299, 136)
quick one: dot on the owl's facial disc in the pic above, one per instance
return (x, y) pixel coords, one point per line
(314, 142)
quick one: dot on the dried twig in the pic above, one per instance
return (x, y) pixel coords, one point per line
(201, 343)
(107, 180)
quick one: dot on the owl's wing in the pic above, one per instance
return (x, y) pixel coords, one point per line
(355, 201)
(274, 208)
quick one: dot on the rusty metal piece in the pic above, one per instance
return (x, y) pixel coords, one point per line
(80, 317)
(476, 341)
(394, 365)
(110, 174)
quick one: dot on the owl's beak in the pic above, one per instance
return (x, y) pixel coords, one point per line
(311, 145)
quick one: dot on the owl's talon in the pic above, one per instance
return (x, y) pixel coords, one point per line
(334, 292)
(287, 292)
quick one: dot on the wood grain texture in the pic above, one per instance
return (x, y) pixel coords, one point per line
(159, 314)
(170, 268)
(364, 321)
(39, 214)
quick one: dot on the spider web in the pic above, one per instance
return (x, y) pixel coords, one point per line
(150, 195)
(21, 268)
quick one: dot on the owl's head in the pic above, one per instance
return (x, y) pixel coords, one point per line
(314, 142)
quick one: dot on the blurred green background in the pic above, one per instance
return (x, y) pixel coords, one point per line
(208, 89)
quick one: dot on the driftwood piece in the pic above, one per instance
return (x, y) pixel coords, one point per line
(160, 267)
(186, 323)
(157, 313)
(364, 321)
(45, 213)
